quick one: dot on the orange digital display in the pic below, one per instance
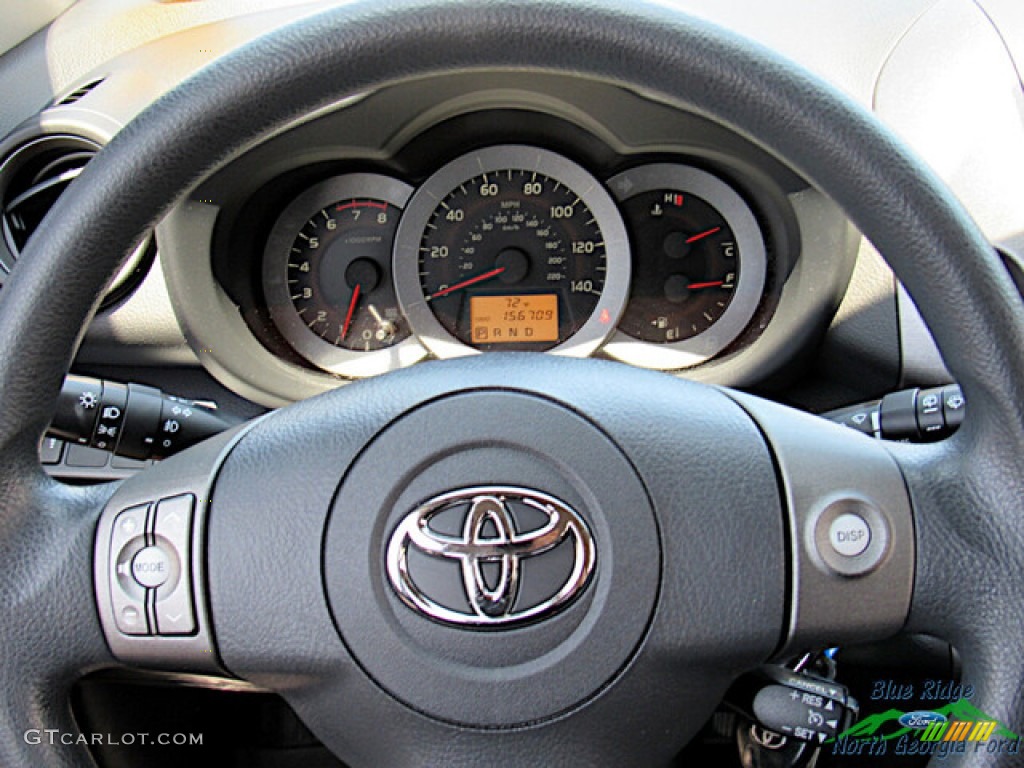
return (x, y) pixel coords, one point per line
(510, 319)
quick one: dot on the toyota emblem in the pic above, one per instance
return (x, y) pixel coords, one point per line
(500, 528)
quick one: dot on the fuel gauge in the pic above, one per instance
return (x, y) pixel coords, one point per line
(698, 266)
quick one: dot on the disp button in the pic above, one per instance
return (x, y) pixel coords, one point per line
(849, 534)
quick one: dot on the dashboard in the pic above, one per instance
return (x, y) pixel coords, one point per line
(815, 317)
(507, 211)
(484, 211)
(229, 301)
(469, 214)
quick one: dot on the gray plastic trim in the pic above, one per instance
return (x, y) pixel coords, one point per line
(1012, 250)
(921, 362)
(91, 127)
(212, 323)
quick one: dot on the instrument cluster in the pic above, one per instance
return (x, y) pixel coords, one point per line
(517, 248)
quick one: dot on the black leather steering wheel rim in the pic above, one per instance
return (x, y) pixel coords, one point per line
(967, 491)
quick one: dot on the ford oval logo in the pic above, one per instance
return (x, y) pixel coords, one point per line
(921, 719)
(459, 558)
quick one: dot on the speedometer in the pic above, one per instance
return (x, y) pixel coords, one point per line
(512, 248)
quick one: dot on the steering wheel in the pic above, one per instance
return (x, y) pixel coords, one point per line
(708, 512)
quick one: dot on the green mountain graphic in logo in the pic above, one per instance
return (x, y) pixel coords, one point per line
(886, 725)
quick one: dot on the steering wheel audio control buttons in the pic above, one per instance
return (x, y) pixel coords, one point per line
(127, 595)
(173, 602)
(851, 535)
(151, 584)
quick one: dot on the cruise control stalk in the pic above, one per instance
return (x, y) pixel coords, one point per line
(131, 420)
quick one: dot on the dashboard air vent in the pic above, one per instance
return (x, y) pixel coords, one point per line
(31, 179)
(77, 94)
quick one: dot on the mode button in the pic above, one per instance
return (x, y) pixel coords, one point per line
(152, 567)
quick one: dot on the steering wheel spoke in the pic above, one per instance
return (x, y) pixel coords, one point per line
(968, 495)
(851, 529)
(150, 562)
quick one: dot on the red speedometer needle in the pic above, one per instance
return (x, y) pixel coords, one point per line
(466, 283)
(351, 308)
(711, 284)
(702, 235)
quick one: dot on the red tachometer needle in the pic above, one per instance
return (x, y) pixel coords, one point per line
(712, 284)
(466, 283)
(351, 308)
(702, 235)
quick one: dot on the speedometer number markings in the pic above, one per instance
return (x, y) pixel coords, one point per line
(519, 224)
(512, 231)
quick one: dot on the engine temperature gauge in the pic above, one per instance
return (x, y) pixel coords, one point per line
(327, 276)
(698, 266)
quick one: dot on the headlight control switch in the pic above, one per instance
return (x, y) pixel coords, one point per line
(131, 420)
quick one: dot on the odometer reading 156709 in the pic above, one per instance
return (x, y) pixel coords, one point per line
(512, 226)
(511, 319)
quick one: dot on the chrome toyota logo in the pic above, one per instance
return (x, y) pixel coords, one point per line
(486, 583)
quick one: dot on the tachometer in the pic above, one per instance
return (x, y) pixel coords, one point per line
(512, 248)
(327, 276)
(699, 266)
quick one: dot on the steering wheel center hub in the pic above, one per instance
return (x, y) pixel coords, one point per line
(481, 576)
